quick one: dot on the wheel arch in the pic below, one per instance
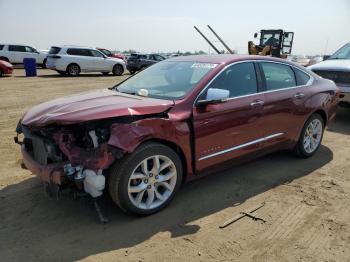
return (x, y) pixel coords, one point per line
(174, 147)
(318, 111)
(323, 114)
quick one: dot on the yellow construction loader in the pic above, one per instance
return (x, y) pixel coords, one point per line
(273, 42)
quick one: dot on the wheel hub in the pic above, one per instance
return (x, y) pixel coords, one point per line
(313, 136)
(152, 182)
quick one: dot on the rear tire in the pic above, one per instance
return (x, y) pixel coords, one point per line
(140, 189)
(310, 137)
(118, 70)
(73, 70)
(1, 72)
(44, 64)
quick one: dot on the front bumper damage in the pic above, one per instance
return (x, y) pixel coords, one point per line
(63, 164)
(59, 162)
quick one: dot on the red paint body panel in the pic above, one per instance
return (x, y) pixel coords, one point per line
(222, 126)
(90, 106)
(176, 132)
(6, 67)
(195, 132)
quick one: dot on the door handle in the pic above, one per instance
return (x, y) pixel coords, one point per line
(299, 95)
(257, 103)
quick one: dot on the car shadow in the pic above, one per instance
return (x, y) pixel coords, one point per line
(341, 122)
(68, 230)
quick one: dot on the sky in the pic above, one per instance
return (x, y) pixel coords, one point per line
(320, 27)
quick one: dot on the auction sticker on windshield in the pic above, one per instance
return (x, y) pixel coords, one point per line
(203, 65)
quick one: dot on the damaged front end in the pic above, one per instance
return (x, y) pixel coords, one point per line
(72, 156)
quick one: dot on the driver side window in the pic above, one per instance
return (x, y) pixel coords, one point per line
(239, 79)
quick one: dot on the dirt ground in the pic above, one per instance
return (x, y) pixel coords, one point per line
(307, 202)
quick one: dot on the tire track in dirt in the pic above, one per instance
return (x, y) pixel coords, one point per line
(281, 229)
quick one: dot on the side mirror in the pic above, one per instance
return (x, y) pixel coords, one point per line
(214, 96)
(255, 35)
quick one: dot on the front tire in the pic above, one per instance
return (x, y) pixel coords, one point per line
(145, 181)
(1, 73)
(310, 137)
(118, 70)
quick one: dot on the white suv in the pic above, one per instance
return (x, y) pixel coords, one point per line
(72, 60)
(16, 53)
(337, 68)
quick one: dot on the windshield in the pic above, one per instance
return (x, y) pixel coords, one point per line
(342, 53)
(166, 80)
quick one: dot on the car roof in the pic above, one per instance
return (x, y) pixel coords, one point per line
(73, 46)
(225, 58)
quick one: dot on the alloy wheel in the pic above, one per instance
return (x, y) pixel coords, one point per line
(152, 182)
(313, 136)
(73, 70)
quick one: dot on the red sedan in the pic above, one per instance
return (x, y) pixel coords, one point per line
(174, 121)
(5, 68)
(110, 54)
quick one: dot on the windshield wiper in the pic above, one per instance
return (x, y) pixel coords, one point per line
(126, 92)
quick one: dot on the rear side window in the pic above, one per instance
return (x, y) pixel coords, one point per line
(17, 48)
(278, 76)
(79, 52)
(302, 78)
(239, 79)
(54, 50)
(1, 47)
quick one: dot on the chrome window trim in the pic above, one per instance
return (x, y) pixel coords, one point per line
(240, 146)
(310, 82)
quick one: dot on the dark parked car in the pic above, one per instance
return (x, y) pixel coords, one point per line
(174, 121)
(138, 62)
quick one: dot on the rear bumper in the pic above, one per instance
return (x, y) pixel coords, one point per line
(51, 173)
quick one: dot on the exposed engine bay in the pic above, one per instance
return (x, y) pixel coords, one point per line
(76, 154)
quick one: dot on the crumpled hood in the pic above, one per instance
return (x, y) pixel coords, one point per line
(93, 105)
(332, 64)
